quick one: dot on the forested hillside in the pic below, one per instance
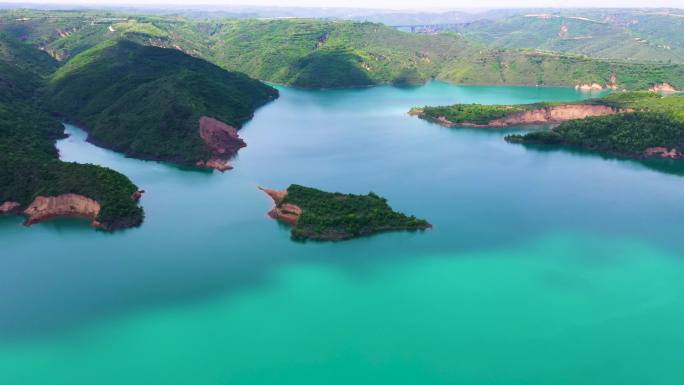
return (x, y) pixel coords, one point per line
(147, 101)
(634, 35)
(29, 164)
(327, 54)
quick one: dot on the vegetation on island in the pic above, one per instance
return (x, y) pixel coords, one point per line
(336, 216)
(29, 162)
(477, 114)
(656, 123)
(331, 53)
(147, 101)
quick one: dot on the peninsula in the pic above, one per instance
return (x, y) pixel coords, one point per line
(500, 116)
(156, 103)
(652, 127)
(35, 183)
(319, 215)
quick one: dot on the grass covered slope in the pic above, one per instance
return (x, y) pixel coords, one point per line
(321, 215)
(654, 129)
(636, 35)
(331, 54)
(147, 101)
(533, 67)
(324, 54)
(29, 163)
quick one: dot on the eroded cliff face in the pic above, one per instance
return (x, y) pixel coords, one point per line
(9, 207)
(662, 87)
(546, 115)
(65, 205)
(285, 212)
(589, 87)
(663, 152)
(554, 114)
(222, 140)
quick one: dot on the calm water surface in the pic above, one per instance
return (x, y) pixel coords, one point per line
(544, 267)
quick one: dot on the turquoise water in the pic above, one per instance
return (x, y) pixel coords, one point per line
(544, 267)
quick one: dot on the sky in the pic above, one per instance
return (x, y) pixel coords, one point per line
(384, 4)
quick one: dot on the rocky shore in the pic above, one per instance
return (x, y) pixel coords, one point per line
(325, 216)
(223, 142)
(66, 205)
(285, 212)
(44, 208)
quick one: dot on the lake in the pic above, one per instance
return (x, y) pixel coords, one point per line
(544, 266)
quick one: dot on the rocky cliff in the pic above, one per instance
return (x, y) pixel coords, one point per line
(554, 114)
(222, 140)
(65, 205)
(285, 212)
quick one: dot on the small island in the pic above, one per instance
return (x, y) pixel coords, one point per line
(319, 215)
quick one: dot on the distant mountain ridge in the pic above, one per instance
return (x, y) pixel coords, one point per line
(331, 54)
(638, 35)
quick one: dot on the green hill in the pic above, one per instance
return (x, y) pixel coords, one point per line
(147, 101)
(29, 163)
(635, 35)
(327, 54)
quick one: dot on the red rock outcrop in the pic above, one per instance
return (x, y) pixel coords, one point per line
(137, 195)
(663, 152)
(554, 114)
(222, 140)
(285, 212)
(545, 115)
(9, 207)
(65, 205)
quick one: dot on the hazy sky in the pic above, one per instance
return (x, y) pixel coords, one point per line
(388, 4)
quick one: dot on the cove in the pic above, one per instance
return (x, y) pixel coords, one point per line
(544, 266)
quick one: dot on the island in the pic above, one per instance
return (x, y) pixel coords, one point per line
(324, 216)
(654, 127)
